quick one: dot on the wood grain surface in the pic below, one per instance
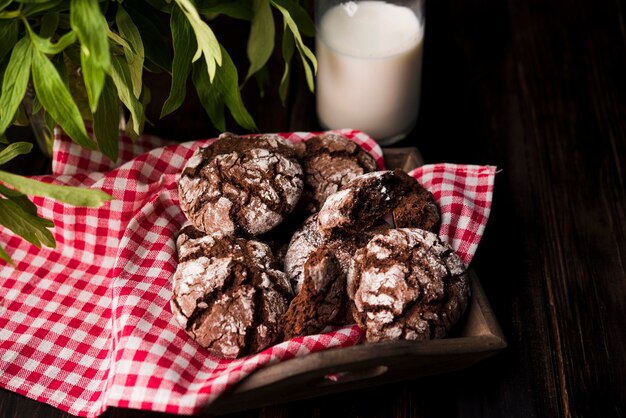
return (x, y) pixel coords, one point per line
(539, 89)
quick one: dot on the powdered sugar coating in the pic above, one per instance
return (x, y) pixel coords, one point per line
(240, 185)
(332, 214)
(228, 294)
(304, 241)
(407, 284)
(308, 238)
(329, 163)
(362, 202)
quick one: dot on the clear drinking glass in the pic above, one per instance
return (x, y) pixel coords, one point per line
(369, 57)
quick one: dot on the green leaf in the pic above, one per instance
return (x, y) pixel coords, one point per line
(307, 57)
(136, 56)
(77, 196)
(151, 67)
(205, 38)
(4, 4)
(136, 125)
(46, 46)
(184, 45)
(93, 76)
(49, 25)
(222, 91)
(15, 81)
(119, 40)
(50, 123)
(24, 224)
(89, 23)
(36, 106)
(22, 200)
(3, 66)
(35, 8)
(5, 256)
(13, 150)
(43, 124)
(59, 64)
(120, 74)
(8, 37)
(211, 100)
(299, 15)
(74, 80)
(155, 36)
(10, 14)
(21, 118)
(310, 74)
(288, 49)
(56, 99)
(106, 121)
(261, 39)
(237, 9)
(262, 78)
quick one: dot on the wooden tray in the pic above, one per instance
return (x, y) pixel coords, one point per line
(474, 338)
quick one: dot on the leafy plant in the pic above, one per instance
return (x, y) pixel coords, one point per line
(19, 214)
(85, 58)
(68, 62)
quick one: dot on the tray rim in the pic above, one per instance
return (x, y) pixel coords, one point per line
(301, 371)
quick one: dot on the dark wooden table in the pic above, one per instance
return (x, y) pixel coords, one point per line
(539, 89)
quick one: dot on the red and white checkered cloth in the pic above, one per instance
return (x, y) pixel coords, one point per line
(88, 325)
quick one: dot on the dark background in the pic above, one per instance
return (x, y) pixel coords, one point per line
(537, 88)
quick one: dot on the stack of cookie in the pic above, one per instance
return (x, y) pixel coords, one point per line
(285, 239)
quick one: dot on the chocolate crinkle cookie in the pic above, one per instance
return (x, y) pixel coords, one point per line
(229, 295)
(366, 199)
(407, 284)
(416, 208)
(241, 185)
(308, 238)
(322, 298)
(228, 141)
(330, 161)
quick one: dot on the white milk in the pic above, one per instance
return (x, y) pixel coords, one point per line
(370, 61)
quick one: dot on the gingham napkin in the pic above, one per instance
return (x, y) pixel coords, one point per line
(88, 325)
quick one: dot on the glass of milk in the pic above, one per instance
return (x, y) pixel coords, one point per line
(369, 57)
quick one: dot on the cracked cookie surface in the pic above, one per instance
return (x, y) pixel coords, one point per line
(330, 161)
(229, 295)
(241, 185)
(407, 284)
(308, 238)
